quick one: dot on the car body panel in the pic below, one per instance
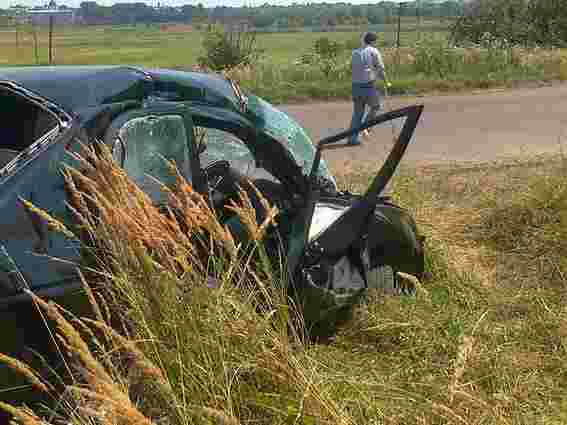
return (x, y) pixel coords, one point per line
(86, 92)
(75, 88)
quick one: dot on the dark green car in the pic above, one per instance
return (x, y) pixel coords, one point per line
(338, 243)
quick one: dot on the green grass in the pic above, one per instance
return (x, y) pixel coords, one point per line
(424, 67)
(106, 45)
(484, 342)
(148, 45)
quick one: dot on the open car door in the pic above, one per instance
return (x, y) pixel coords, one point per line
(328, 266)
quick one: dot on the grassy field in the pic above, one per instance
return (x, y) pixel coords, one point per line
(484, 341)
(424, 64)
(153, 46)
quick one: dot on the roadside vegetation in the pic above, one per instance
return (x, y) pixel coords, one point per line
(428, 67)
(483, 342)
(291, 67)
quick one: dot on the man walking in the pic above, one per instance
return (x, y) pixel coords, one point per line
(367, 67)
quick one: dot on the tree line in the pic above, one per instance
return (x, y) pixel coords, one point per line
(267, 15)
(513, 22)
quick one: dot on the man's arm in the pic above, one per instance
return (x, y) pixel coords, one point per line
(379, 64)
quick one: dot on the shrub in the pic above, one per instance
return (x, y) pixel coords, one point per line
(327, 49)
(438, 60)
(227, 49)
(535, 23)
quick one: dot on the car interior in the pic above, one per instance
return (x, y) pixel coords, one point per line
(23, 122)
(229, 166)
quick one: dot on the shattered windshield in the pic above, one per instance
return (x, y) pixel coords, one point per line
(149, 141)
(222, 145)
(282, 127)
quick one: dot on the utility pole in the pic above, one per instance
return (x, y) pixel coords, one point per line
(52, 10)
(399, 25)
(418, 13)
(50, 39)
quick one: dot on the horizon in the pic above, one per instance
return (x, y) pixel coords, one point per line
(5, 4)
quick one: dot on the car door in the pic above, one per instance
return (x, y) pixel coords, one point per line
(151, 135)
(30, 255)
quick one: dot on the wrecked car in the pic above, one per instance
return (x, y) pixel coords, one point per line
(338, 244)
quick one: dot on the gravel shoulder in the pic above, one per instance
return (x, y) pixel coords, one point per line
(478, 127)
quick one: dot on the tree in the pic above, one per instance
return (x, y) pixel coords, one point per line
(263, 19)
(227, 49)
(523, 22)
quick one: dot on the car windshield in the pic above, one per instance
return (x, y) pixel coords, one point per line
(222, 145)
(283, 128)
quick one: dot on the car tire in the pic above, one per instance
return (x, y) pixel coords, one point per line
(385, 279)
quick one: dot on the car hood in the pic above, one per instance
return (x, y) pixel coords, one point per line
(281, 127)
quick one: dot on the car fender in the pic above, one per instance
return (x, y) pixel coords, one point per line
(392, 238)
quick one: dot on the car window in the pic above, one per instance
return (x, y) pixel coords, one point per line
(149, 142)
(23, 123)
(222, 145)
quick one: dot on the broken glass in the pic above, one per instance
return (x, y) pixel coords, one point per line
(150, 141)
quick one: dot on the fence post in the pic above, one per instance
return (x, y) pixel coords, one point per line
(35, 44)
(50, 39)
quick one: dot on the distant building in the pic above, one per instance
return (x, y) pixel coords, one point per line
(41, 15)
(60, 16)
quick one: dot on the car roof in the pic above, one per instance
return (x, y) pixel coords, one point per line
(86, 91)
(77, 87)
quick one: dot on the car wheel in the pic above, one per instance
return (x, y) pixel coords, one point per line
(385, 279)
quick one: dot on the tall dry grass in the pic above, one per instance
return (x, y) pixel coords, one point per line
(465, 351)
(188, 326)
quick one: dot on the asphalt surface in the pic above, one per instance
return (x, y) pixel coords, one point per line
(485, 126)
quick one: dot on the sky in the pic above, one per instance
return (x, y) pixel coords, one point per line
(4, 4)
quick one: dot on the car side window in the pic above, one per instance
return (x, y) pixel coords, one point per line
(222, 145)
(23, 123)
(148, 142)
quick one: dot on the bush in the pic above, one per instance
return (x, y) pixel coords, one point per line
(535, 23)
(227, 49)
(437, 60)
(327, 49)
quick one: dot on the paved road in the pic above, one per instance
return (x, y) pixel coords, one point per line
(457, 127)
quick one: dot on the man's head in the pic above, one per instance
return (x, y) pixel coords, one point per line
(369, 38)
